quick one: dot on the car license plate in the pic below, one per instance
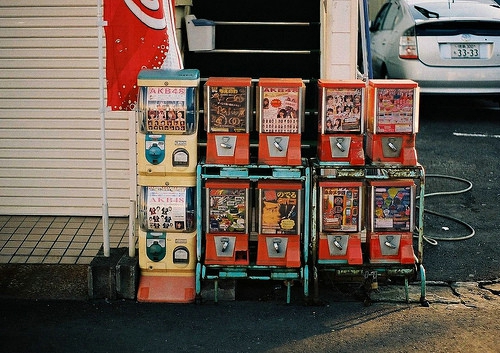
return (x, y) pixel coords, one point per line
(465, 51)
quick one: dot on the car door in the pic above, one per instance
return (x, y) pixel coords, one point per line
(383, 38)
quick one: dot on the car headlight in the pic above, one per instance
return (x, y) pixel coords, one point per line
(408, 44)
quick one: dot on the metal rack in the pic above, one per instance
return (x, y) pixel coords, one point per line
(254, 172)
(368, 273)
(262, 24)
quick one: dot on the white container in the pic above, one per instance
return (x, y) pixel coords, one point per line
(200, 33)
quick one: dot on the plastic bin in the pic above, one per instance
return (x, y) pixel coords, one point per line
(200, 33)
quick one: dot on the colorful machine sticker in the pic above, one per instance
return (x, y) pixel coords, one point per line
(280, 110)
(340, 209)
(166, 110)
(392, 208)
(227, 210)
(395, 109)
(342, 110)
(228, 109)
(166, 209)
(279, 211)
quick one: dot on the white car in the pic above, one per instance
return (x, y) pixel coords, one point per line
(446, 46)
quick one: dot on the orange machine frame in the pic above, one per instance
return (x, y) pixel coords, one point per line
(280, 140)
(392, 121)
(281, 248)
(386, 242)
(228, 122)
(342, 243)
(336, 143)
(227, 247)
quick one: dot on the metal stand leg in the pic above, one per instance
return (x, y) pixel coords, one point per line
(306, 283)
(423, 288)
(216, 291)
(407, 290)
(198, 283)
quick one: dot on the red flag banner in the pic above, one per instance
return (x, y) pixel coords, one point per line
(136, 38)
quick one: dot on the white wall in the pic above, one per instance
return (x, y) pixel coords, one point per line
(339, 36)
(50, 146)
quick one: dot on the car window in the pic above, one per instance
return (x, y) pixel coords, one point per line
(379, 19)
(391, 18)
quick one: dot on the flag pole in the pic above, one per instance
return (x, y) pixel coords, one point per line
(102, 110)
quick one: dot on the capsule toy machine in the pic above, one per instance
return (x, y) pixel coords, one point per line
(167, 114)
(392, 210)
(280, 115)
(167, 117)
(167, 244)
(392, 122)
(227, 216)
(279, 223)
(341, 216)
(341, 121)
(228, 111)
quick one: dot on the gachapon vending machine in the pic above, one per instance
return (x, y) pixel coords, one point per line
(228, 112)
(340, 222)
(392, 114)
(392, 215)
(167, 145)
(167, 244)
(279, 223)
(280, 115)
(341, 121)
(227, 222)
(167, 114)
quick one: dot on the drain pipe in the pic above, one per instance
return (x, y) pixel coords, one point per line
(105, 211)
(365, 38)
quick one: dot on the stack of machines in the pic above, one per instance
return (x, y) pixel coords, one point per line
(254, 206)
(235, 215)
(228, 111)
(341, 122)
(280, 119)
(364, 181)
(167, 145)
(390, 141)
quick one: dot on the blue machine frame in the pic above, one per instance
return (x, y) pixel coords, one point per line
(254, 172)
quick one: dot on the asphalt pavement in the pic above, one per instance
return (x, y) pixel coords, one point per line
(459, 142)
(462, 317)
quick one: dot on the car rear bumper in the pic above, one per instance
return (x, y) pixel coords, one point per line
(452, 80)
